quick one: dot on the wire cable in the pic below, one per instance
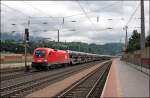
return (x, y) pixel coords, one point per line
(37, 9)
(54, 18)
(14, 9)
(107, 6)
(86, 15)
(131, 17)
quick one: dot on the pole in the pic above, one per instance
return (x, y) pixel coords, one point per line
(142, 27)
(142, 37)
(58, 35)
(126, 37)
(79, 47)
(58, 38)
(25, 52)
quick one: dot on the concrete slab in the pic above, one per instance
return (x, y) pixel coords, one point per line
(127, 81)
(112, 86)
(140, 68)
(134, 83)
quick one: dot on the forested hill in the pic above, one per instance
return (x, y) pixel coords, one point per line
(13, 43)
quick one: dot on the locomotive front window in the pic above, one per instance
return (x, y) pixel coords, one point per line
(40, 53)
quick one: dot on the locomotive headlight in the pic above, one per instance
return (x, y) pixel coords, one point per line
(45, 60)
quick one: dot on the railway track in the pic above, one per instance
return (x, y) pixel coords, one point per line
(11, 70)
(19, 73)
(88, 87)
(20, 86)
(14, 75)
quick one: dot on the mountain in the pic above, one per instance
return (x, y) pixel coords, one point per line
(17, 36)
(111, 48)
(11, 36)
(106, 49)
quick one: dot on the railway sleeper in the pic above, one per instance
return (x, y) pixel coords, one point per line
(82, 88)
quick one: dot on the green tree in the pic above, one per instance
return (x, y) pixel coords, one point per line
(134, 42)
(147, 41)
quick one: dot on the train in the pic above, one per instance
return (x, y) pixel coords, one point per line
(47, 58)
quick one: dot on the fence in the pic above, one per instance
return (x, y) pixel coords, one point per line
(141, 62)
(14, 58)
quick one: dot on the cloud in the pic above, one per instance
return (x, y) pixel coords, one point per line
(47, 17)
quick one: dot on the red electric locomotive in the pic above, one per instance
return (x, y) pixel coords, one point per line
(52, 58)
(47, 58)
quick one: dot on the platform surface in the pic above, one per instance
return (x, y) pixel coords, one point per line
(125, 81)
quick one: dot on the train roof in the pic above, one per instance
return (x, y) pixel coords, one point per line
(73, 52)
(82, 53)
(50, 49)
(41, 48)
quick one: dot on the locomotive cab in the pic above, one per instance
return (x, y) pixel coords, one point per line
(40, 59)
(49, 58)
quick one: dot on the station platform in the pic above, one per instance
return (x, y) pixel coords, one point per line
(125, 81)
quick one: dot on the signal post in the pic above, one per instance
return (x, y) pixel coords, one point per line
(26, 39)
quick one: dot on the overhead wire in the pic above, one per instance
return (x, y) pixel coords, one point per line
(37, 9)
(14, 9)
(60, 17)
(86, 15)
(21, 13)
(60, 26)
(134, 26)
(40, 11)
(131, 17)
(16, 17)
(61, 23)
(54, 18)
(107, 6)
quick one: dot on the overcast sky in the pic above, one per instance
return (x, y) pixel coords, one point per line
(86, 28)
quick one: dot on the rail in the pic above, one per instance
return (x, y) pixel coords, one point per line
(87, 85)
